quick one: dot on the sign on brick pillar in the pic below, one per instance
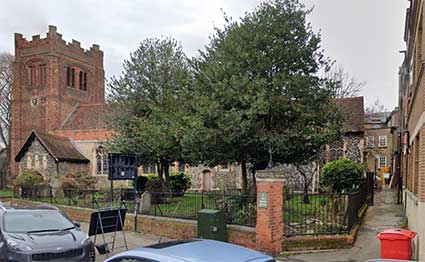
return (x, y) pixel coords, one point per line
(269, 227)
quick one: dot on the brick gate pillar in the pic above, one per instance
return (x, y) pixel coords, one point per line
(269, 227)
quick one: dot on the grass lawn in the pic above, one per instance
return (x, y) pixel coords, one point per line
(323, 213)
(6, 193)
(185, 206)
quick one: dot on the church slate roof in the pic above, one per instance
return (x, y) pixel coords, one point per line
(86, 116)
(60, 148)
(353, 110)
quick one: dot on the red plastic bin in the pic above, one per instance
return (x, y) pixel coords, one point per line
(396, 243)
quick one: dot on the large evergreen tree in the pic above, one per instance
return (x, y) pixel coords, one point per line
(258, 97)
(145, 103)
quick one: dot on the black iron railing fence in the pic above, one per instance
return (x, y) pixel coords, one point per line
(321, 214)
(324, 213)
(239, 209)
(318, 214)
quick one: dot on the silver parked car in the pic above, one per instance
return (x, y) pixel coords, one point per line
(196, 250)
(41, 234)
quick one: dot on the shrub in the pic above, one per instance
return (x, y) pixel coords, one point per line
(341, 175)
(141, 183)
(77, 181)
(29, 179)
(154, 185)
(179, 182)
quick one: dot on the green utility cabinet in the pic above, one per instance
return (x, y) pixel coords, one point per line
(212, 224)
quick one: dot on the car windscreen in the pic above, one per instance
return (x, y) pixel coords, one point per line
(35, 221)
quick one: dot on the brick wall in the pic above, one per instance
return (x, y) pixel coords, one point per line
(269, 227)
(421, 177)
(160, 226)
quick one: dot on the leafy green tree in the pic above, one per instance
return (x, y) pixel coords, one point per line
(146, 106)
(258, 98)
(341, 175)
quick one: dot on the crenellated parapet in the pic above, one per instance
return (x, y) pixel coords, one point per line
(54, 39)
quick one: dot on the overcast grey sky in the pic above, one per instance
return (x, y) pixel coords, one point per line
(364, 36)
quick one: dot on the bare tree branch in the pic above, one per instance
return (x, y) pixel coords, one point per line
(6, 81)
(375, 108)
(342, 84)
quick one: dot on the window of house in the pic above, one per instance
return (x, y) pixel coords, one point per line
(370, 141)
(29, 162)
(146, 169)
(382, 161)
(153, 168)
(101, 161)
(382, 141)
(44, 162)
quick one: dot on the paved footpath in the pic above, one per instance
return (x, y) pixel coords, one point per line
(133, 240)
(384, 214)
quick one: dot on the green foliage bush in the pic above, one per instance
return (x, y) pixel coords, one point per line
(341, 175)
(30, 179)
(179, 182)
(77, 181)
(141, 183)
(154, 185)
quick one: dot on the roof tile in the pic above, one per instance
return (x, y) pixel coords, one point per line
(353, 110)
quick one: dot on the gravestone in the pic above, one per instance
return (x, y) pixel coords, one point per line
(145, 202)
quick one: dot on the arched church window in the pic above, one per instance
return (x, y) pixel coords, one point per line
(31, 75)
(80, 78)
(43, 74)
(29, 162)
(44, 162)
(101, 161)
(68, 76)
(85, 82)
(72, 77)
(336, 151)
(36, 162)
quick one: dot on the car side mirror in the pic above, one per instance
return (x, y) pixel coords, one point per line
(77, 224)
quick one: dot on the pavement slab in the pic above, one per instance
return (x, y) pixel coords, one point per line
(134, 240)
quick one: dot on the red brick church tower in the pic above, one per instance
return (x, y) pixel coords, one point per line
(52, 80)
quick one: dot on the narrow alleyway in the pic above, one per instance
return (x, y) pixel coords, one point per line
(384, 214)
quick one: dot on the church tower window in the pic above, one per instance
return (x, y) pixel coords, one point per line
(80, 78)
(68, 76)
(43, 74)
(72, 77)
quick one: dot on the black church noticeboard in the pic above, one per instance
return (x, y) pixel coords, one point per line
(122, 166)
(107, 221)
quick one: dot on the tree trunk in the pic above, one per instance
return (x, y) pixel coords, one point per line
(244, 178)
(254, 184)
(166, 171)
(306, 199)
(159, 170)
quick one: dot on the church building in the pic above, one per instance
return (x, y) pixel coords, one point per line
(58, 108)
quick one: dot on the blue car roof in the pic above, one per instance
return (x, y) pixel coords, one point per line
(195, 251)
